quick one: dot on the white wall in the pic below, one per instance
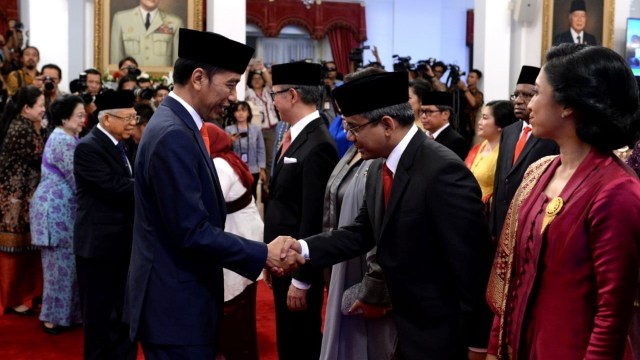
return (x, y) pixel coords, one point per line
(63, 31)
(420, 29)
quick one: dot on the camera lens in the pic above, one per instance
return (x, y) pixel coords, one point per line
(48, 86)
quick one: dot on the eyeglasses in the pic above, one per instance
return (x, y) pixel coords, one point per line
(81, 116)
(356, 129)
(526, 96)
(428, 113)
(129, 118)
(274, 93)
(331, 69)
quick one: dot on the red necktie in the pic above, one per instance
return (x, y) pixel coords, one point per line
(205, 138)
(387, 181)
(285, 143)
(521, 142)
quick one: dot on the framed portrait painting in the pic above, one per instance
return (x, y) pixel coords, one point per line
(146, 30)
(585, 21)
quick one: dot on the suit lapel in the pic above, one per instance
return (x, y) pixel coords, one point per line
(186, 118)
(531, 142)
(105, 142)
(296, 144)
(376, 198)
(509, 145)
(401, 177)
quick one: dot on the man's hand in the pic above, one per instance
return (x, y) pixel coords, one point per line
(369, 311)
(296, 299)
(283, 255)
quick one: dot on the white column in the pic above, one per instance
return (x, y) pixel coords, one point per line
(228, 18)
(492, 42)
(49, 31)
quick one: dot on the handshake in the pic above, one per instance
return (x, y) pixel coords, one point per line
(284, 255)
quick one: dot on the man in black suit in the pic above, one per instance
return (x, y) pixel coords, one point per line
(103, 228)
(296, 197)
(577, 24)
(435, 112)
(422, 208)
(518, 149)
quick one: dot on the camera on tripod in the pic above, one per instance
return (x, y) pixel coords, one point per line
(402, 63)
(356, 56)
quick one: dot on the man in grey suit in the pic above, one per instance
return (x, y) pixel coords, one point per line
(146, 33)
(422, 209)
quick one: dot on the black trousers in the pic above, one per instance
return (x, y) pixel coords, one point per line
(170, 352)
(102, 285)
(299, 333)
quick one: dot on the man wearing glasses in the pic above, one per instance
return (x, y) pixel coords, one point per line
(104, 226)
(435, 112)
(518, 149)
(422, 209)
(296, 196)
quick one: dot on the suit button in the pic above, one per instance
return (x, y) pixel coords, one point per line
(506, 181)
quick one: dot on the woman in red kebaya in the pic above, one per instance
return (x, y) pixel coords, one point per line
(565, 272)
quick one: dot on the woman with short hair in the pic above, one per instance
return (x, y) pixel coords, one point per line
(53, 214)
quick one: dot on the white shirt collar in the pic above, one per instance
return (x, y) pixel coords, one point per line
(394, 157)
(115, 141)
(300, 125)
(525, 125)
(574, 35)
(153, 13)
(437, 132)
(194, 115)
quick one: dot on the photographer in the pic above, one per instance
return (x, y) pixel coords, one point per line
(128, 66)
(88, 86)
(127, 82)
(24, 76)
(51, 74)
(434, 73)
(469, 104)
(161, 92)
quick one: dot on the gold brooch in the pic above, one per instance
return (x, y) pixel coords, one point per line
(553, 208)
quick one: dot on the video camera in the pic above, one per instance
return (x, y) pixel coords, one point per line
(402, 63)
(79, 86)
(144, 94)
(134, 71)
(356, 56)
(454, 74)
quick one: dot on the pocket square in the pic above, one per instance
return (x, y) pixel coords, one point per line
(290, 160)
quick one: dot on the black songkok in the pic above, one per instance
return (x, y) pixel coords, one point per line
(437, 98)
(213, 49)
(372, 92)
(578, 5)
(297, 73)
(115, 100)
(528, 75)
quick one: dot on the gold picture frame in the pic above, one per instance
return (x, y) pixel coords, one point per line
(173, 15)
(555, 19)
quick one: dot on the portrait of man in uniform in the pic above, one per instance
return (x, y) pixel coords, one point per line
(147, 32)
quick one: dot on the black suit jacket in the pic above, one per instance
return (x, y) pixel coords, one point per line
(433, 247)
(296, 191)
(509, 175)
(566, 37)
(104, 220)
(454, 141)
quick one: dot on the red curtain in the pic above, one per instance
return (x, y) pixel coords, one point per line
(342, 40)
(8, 11)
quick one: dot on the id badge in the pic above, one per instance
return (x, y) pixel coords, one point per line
(244, 158)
